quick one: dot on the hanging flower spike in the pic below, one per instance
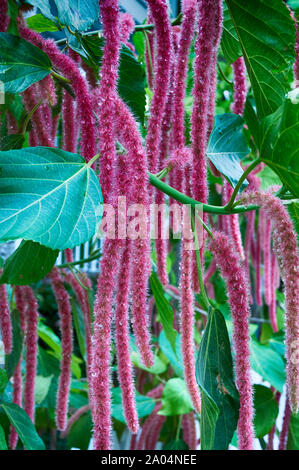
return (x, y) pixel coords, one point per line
(213, 74)
(258, 291)
(106, 94)
(189, 430)
(69, 124)
(149, 53)
(159, 13)
(126, 28)
(267, 261)
(296, 64)
(31, 97)
(272, 306)
(4, 19)
(285, 426)
(231, 270)
(240, 90)
(17, 376)
(71, 71)
(285, 245)
(64, 311)
(31, 316)
(131, 140)
(5, 322)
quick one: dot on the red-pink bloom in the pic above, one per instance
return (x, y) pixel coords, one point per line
(31, 315)
(285, 246)
(106, 95)
(259, 300)
(248, 240)
(64, 311)
(239, 86)
(159, 13)
(285, 426)
(267, 261)
(232, 221)
(70, 70)
(272, 306)
(150, 429)
(189, 430)
(69, 123)
(231, 270)
(149, 53)
(126, 28)
(296, 64)
(31, 97)
(154, 434)
(4, 19)
(5, 322)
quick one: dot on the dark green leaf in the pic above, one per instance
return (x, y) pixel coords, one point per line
(266, 33)
(41, 24)
(3, 380)
(215, 376)
(80, 433)
(12, 359)
(145, 405)
(30, 263)
(228, 147)
(230, 44)
(12, 141)
(131, 74)
(175, 398)
(293, 436)
(3, 444)
(49, 196)
(175, 359)
(268, 363)
(24, 427)
(252, 121)
(164, 309)
(293, 209)
(176, 445)
(79, 325)
(266, 410)
(21, 63)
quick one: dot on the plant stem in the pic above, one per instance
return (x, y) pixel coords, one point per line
(248, 170)
(148, 51)
(80, 261)
(205, 298)
(150, 27)
(179, 427)
(60, 77)
(223, 76)
(29, 116)
(180, 197)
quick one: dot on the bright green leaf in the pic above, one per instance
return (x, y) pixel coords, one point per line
(24, 427)
(266, 410)
(30, 263)
(21, 63)
(293, 209)
(42, 385)
(41, 24)
(157, 368)
(268, 363)
(175, 359)
(3, 380)
(3, 444)
(145, 405)
(228, 147)
(175, 398)
(49, 196)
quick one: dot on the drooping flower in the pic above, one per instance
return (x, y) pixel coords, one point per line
(64, 311)
(189, 430)
(4, 19)
(240, 90)
(126, 28)
(31, 98)
(285, 246)
(231, 270)
(285, 426)
(5, 322)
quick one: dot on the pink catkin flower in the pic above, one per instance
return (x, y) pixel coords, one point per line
(149, 54)
(285, 245)
(159, 13)
(259, 300)
(5, 322)
(231, 270)
(106, 94)
(285, 426)
(17, 376)
(189, 430)
(148, 427)
(267, 261)
(130, 138)
(4, 19)
(126, 27)
(125, 372)
(70, 70)
(272, 307)
(64, 311)
(31, 315)
(154, 434)
(239, 86)
(69, 124)
(31, 97)
(233, 227)
(296, 64)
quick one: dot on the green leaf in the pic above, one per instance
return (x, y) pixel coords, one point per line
(79, 325)
(280, 145)
(176, 445)
(157, 368)
(80, 433)
(3, 444)
(145, 405)
(40, 24)
(78, 14)
(12, 141)
(49, 196)
(30, 263)
(42, 385)
(267, 36)
(3, 380)
(24, 427)
(44, 6)
(131, 83)
(268, 363)
(228, 147)
(293, 436)
(164, 309)
(175, 359)
(215, 376)
(12, 359)
(21, 63)
(230, 44)
(175, 398)
(293, 209)
(266, 410)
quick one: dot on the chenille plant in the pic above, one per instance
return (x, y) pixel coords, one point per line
(150, 175)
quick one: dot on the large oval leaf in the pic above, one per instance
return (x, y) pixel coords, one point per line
(21, 63)
(267, 36)
(49, 196)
